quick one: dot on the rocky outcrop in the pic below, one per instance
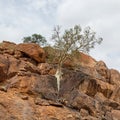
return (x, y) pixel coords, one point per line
(4, 65)
(28, 87)
(32, 50)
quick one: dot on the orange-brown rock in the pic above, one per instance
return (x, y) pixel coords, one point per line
(114, 77)
(115, 114)
(80, 59)
(32, 50)
(102, 69)
(86, 60)
(14, 66)
(13, 107)
(7, 47)
(46, 68)
(28, 88)
(4, 65)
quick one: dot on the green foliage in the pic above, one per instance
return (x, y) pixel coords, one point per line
(50, 51)
(35, 38)
(74, 39)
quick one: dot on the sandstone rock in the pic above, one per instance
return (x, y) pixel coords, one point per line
(32, 50)
(4, 65)
(112, 104)
(16, 66)
(108, 116)
(41, 102)
(114, 77)
(100, 97)
(18, 54)
(7, 47)
(28, 88)
(80, 59)
(85, 83)
(36, 84)
(13, 66)
(18, 108)
(46, 68)
(105, 88)
(83, 101)
(57, 113)
(84, 113)
(116, 94)
(86, 60)
(27, 66)
(116, 114)
(103, 70)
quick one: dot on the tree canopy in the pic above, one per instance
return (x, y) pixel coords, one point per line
(35, 38)
(73, 39)
(65, 43)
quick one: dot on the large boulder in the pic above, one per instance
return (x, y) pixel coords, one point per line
(114, 77)
(85, 84)
(82, 91)
(102, 69)
(32, 50)
(78, 101)
(86, 60)
(4, 65)
(14, 66)
(32, 83)
(80, 59)
(7, 47)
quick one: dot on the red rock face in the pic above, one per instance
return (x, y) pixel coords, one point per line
(87, 61)
(32, 50)
(28, 88)
(4, 65)
(80, 59)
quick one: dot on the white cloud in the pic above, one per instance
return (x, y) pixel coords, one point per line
(25, 17)
(101, 15)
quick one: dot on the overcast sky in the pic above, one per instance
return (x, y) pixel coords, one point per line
(19, 18)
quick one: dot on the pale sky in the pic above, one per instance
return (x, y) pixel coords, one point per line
(20, 18)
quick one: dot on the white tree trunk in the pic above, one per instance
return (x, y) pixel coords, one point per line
(58, 75)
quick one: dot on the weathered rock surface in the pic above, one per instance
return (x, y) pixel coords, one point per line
(28, 87)
(4, 65)
(32, 50)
